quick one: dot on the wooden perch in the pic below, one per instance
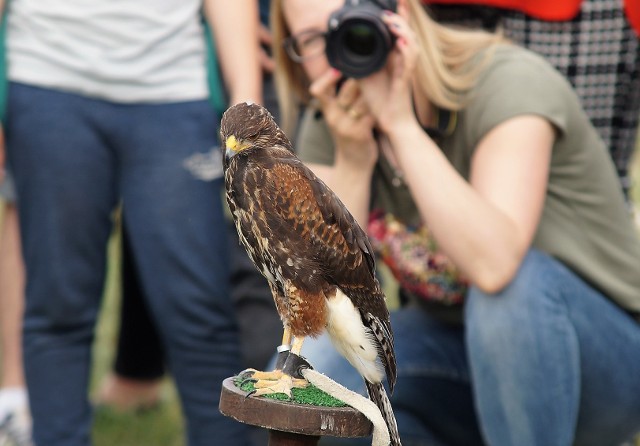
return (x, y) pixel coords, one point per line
(292, 424)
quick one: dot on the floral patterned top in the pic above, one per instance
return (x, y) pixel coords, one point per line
(413, 258)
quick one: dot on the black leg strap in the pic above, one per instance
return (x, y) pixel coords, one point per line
(283, 353)
(294, 365)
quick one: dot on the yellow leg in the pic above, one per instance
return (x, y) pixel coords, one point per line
(273, 375)
(286, 336)
(276, 381)
(297, 345)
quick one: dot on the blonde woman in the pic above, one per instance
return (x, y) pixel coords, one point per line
(490, 196)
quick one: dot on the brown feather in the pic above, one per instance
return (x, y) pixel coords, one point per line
(298, 233)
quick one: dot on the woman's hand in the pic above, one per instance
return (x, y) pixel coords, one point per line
(388, 92)
(347, 115)
(356, 151)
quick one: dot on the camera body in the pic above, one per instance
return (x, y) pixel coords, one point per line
(358, 41)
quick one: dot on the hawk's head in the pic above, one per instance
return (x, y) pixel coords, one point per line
(246, 127)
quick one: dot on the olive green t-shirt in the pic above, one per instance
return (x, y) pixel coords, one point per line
(585, 222)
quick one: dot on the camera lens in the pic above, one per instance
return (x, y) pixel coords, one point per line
(358, 42)
(360, 39)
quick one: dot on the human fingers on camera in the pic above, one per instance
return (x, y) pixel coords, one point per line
(357, 110)
(336, 103)
(347, 93)
(406, 41)
(352, 116)
(354, 123)
(324, 87)
(375, 91)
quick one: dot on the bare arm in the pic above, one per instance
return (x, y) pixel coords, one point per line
(486, 225)
(235, 26)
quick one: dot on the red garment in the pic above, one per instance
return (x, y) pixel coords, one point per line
(551, 10)
(632, 8)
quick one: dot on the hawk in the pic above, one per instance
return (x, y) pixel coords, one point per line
(317, 259)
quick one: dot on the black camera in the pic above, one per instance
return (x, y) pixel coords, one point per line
(358, 41)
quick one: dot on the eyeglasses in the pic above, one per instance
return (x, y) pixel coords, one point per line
(305, 45)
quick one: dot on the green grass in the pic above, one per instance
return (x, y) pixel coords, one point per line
(309, 395)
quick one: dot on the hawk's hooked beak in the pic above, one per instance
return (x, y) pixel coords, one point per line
(233, 146)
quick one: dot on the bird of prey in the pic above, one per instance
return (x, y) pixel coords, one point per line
(318, 261)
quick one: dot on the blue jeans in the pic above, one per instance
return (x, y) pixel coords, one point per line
(74, 159)
(548, 361)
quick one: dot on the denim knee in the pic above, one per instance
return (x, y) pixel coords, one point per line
(535, 292)
(516, 339)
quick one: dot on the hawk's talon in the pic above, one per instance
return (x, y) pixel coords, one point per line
(246, 374)
(243, 381)
(282, 384)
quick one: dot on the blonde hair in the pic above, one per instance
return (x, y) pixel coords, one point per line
(448, 65)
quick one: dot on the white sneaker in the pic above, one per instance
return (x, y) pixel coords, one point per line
(15, 419)
(15, 428)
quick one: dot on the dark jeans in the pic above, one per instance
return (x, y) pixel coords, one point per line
(73, 159)
(140, 354)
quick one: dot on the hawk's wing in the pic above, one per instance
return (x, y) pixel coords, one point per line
(309, 229)
(306, 211)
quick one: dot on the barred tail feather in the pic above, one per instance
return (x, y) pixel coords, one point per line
(378, 395)
(381, 330)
